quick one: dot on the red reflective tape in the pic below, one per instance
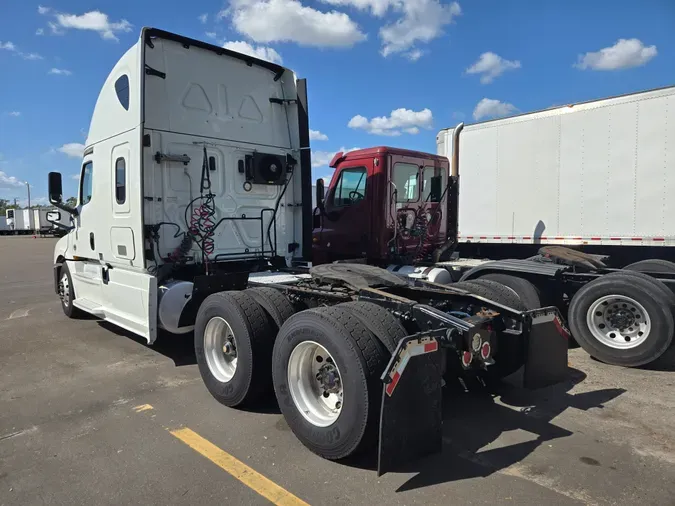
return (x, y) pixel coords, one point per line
(483, 237)
(511, 237)
(429, 347)
(559, 238)
(394, 381)
(596, 238)
(636, 238)
(469, 237)
(615, 238)
(577, 238)
(658, 239)
(560, 328)
(543, 237)
(496, 237)
(527, 238)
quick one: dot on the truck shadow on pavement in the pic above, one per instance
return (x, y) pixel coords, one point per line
(474, 421)
(179, 348)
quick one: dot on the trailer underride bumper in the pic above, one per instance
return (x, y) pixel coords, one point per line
(411, 412)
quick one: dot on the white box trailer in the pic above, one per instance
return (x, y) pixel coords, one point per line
(595, 173)
(40, 223)
(19, 220)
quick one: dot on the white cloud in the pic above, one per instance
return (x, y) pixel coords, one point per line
(72, 149)
(76, 177)
(10, 46)
(414, 55)
(490, 108)
(315, 135)
(43, 10)
(9, 181)
(491, 66)
(626, 53)
(96, 21)
(15, 114)
(323, 158)
(203, 18)
(262, 52)
(377, 7)
(40, 31)
(266, 21)
(421, 21)
(60, 72)
(400, 120)
(211, 35)
(55, 28)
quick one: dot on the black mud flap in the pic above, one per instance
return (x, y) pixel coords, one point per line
(546, 352)
(411, 415)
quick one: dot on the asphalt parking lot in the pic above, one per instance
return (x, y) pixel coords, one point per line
(91, 415)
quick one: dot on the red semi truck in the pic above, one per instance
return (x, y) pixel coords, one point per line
(399, 209)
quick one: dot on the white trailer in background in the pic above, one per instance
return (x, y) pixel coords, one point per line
(598, 174)
(4, 228)
(19, 221)
(40, 223)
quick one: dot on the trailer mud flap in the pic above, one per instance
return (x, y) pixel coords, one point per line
(411, 414)
(546, 352)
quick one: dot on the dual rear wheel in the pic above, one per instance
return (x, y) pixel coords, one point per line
(323, 364)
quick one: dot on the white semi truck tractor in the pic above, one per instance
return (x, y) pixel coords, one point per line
(194, 215)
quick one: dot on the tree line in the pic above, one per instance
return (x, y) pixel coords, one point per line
(8, 204)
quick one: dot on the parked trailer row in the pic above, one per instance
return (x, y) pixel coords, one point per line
(199, 218)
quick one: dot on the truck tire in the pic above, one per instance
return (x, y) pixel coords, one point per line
(316, 354)
(241, 373)
(621, 320)
(666, 292)
(495, 291)
(510, 354)
(384, 325)
(275, 303)
(526, 291)
(67, 294)
(652, 265)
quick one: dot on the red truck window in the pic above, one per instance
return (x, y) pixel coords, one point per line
(351, 187)
(406, 177)
(430, 172)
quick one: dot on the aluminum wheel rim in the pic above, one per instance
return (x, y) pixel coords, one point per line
(220, 348)
(618, 321)
(315, 383)
(65, 290)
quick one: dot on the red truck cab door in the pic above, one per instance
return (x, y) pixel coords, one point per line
(421, 220)
(345, 227)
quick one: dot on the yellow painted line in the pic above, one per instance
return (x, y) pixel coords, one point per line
(142, 407)
(248, 476)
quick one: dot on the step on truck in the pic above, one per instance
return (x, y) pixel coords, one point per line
(194, 215)
(566, 207)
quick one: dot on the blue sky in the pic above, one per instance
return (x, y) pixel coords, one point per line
(380, 72)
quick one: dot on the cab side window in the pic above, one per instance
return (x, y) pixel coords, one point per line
(430, 172)
(86, 187)
(406, 177)
(350, 187)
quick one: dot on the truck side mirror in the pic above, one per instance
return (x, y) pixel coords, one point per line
(55, 188)
(320, 192)
(53, 216)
